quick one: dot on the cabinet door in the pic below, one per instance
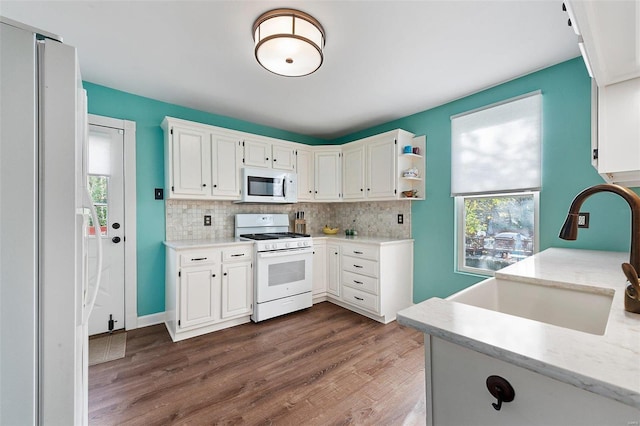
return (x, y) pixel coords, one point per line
(327, 175)
(225, 170)
(283, 157)
(381, 170)
(333, 269)
(319, 269)
(353, 172)
(199, 294)
(257, 153)
(190, 160)
(237, 289)
(304, 160)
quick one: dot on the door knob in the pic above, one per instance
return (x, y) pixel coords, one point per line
(116, 240)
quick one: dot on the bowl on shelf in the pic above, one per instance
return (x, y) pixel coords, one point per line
(330, 231)
(410, 194)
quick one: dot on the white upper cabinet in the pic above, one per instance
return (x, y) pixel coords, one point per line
(226, 160)
(353, 165)
(327, 174)
(189, 170)
(201, 162)
(608, 37)
(284, 157)
(381, 167)
(608, 33)
(257, 153)
(304, 166)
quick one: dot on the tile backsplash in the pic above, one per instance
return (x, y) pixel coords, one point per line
(185, 218)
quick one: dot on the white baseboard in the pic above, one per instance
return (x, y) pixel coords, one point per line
(152, 319)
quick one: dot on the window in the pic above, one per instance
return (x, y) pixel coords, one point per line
(495, 179)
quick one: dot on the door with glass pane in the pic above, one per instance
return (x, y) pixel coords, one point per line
(106, 186)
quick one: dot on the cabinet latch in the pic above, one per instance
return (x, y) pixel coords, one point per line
(595, 154)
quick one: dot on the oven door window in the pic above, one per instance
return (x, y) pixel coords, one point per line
(265, 187)
(286, 272)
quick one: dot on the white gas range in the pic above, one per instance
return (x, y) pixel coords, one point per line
(283, 264)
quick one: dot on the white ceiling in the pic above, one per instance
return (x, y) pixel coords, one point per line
(383, 59)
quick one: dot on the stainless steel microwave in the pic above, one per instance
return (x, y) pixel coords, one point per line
(268, 186)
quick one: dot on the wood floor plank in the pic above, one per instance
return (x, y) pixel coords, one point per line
(324, 365)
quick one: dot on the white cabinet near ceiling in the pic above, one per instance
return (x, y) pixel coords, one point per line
(226, 155)
(616, 142)
(380, 166)
(189, 171)
(201, 162)
(207, 288)
(268, 154)
(257, 153)
(284, 157)
(304, 167)
(353, 166)
(327, 174)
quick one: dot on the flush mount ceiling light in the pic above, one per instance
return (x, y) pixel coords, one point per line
(288, 42)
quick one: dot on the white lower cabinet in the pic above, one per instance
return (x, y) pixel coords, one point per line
(457, 393)
(333, 269)
(372, 279)
(319, 268)
(207, 289)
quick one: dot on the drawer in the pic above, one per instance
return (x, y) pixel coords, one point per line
(199, 257)
(231, 254)
(361, 250)
(360, 298)
(361, 282)
(360, 266)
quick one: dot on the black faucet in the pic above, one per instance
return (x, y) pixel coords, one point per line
(569, 230)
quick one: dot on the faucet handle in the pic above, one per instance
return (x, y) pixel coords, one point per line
(632, 276)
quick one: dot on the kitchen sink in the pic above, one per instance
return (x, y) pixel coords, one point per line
(582, 309)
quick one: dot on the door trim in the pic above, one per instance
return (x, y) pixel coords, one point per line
(130, 257)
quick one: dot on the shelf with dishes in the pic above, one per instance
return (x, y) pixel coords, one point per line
(412, 169)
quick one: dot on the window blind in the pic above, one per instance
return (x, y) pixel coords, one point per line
(498, 148)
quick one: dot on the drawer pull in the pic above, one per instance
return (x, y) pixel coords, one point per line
(358, 298)
(236, 255)
(358, 282)
(193, 259)
(358, 266)
(358, 252)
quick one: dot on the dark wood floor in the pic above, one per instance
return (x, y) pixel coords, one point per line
(322, 366)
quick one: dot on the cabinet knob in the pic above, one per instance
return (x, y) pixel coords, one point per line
(215, 186)
(274, 160)
(204, 184)
(310, 191)
(267, 158)
(225, 274)
(501, 389)
(214, 275)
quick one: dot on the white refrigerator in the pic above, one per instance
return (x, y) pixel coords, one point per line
(45, 294)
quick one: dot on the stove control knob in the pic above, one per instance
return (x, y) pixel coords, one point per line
(300, 244)
(287, 245)
(266, 246)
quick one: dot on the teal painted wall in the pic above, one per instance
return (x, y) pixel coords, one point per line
(150, 223)
(566, 171)
(566, 90)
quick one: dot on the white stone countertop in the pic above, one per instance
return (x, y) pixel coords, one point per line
(608, 365)
(361, 239)
(188, 244)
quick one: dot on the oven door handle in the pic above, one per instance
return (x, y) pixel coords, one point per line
(285, 252)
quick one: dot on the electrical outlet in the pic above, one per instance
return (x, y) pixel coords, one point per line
(583, 220)
(400, 218)
(207, 220)
(159, 193)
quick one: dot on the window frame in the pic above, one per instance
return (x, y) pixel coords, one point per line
(460, 248)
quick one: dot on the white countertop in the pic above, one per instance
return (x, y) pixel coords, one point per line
(361, 239)
(188, 244)
(608, 365)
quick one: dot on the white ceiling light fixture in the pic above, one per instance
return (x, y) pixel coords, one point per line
(288, 42)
